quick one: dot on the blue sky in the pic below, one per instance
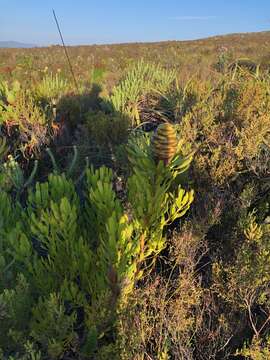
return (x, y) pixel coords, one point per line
(116, 21)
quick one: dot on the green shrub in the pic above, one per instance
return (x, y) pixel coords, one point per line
(140, 81)
(257, 350)
(78, 262)
(107, 130)
(51, 88)
(24, 120)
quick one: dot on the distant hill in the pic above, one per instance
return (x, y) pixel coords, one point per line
(15, 44)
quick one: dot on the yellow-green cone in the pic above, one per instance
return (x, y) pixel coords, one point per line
(164, 143)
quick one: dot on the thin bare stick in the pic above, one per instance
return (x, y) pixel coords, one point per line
(251, 318)
(69, 62)
(264, 324)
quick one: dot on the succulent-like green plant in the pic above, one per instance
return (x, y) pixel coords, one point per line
(143, 78)
(70, 170)
(52, 87)
(8, 94)
(13, 174)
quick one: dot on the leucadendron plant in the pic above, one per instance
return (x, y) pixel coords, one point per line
(156, 199)
(77, 260)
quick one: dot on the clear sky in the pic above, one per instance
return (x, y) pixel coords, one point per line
(115, 21)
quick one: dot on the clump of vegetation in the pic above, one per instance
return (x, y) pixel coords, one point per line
(77, 264)
(134, 211)
(140, 82)
(23, 120)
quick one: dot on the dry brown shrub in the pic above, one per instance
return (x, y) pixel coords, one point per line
(165, 311)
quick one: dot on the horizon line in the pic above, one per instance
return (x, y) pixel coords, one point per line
(133, 42)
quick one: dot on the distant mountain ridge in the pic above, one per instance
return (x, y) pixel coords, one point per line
(15, 44)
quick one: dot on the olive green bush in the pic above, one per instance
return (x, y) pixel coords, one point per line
(75, 263)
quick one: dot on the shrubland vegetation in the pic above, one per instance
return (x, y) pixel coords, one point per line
(135, 209)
